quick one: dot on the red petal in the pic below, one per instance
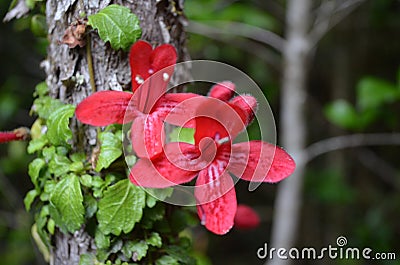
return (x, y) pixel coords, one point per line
(177, 108)
(216, 119)
(161, 172)
(245, 106)
(162, 57)
(216, 198)
(147, 136)
(223, 91)
(139, 59)
(104, 108)
(259, 161)
(246, 217)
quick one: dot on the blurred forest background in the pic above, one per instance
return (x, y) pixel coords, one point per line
(353, 87)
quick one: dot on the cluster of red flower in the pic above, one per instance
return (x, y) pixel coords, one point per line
(217, 119)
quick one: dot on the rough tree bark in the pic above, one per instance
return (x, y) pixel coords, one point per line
(68, 75)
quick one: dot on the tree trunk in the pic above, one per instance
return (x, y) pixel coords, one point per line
(293, 123)
(68, 75)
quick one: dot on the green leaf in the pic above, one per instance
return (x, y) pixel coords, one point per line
(151, 215)
(51, 226)
(59, 165)
(110, 149)
(117, 25)
(179, 134)
(45, 106)
(78, 157)
(341, 113)
(135, 250)
(29, 198)
(120, 208)
(49, 153)
(76, 166)
(86, 180)
(154, 195)
(102, 241)
(373, 92)
(67, 200)
(41, 89)
(90, 206)
(38, 25)
(180, 254)
(167, 260)
(41, 221)
(58, 131)
(154, 240)
(34, 169)
(37, 144)
(87, 259)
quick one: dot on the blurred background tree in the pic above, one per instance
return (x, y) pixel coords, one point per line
(352, 88)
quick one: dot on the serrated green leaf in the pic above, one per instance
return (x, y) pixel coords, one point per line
(373, 92)
(58, 131)
(117, 25)
(67, 201)
(179, 134)
(110, 149)
(34, 169)
(120, 208)
(135, 250)
(37, 144)
(59, 165)
(45, 106)
(29, 198)
(154, 240)
(48, 153)
(102, 241)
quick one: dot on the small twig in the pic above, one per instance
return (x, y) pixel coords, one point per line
(332, 16)
(379, 166)
(239, 29)
(349, 141)
(259, 50)
(90, 62)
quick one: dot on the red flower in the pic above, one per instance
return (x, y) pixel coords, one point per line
(16, 135)
(148, 105)
(246, 217)
(213, 156)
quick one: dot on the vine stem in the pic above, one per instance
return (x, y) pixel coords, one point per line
(90, 62)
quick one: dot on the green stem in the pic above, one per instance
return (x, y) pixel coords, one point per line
(90, 63)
